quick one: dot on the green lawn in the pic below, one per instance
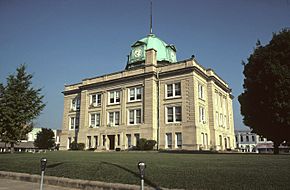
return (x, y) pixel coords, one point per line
(188, 171)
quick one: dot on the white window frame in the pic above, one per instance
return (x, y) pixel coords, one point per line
(98, 100)
(177, 145)
(174, 94)
(97, 116)
(74, 125)
(167, 145)
(116, 93)
(75, 103)
(135, 96)
(134, 111)
(174, 114)
(200, 91)
(114, 123)
(202, 115)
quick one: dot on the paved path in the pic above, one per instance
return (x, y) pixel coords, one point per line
(7, 184)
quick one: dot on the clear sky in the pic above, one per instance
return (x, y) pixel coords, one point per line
(65, 41)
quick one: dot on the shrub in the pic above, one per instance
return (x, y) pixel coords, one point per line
(76, 146)
(144, 144)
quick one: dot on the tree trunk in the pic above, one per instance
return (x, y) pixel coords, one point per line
(12, 148)
(276, 148)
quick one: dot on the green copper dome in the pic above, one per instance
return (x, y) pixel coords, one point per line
(165, 52)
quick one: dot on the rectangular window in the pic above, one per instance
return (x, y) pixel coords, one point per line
(75, 103)
(221, 140)
(137, 138)
(135, 94)
(200, 91)
(225, 121)
(74, 123)
(217, 118)
(174, 114)
(95, 120)
(242, 138)
(173, 90)
(201, 114)
(114, 118)
(89, 140)
(129, 140)
(168, 140)
(114, 97)
(96, 141)
(178, 140)
(221, 120)
(95, 100)
(247, 138)
(253, 138)
(135, 116)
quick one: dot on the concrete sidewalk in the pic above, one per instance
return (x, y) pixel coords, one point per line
(7, 184)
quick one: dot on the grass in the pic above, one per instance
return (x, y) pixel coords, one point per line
(187, 171)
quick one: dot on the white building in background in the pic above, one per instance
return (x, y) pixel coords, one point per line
(246, 141)
(31, 136)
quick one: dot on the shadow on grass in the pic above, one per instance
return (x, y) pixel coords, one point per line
(54, 165)
(147, 181)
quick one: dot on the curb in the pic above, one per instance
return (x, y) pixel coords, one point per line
(71, 183)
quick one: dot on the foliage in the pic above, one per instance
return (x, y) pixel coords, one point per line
(265, 102)
(45, 139)
(169, 170)
(76, 146)
(20, 103)
(144, 144)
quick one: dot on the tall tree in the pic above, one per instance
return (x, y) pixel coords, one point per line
(20, 103)
(265, 102)
(45, 139)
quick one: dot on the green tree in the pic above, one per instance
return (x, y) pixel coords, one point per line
(20, 103)
(45, 139)
(265, 102)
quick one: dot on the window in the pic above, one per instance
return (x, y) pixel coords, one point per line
(200, 91)
(118, 139)
(242, 138)
(253, 138)
(174, 114)
(89, 141)
(173, 90)
(104, 140)
(137, 138)
(135, 116)
(178, 140)
(94, 120)
(225, 121)
(75, 103)
(221, 120)
(217, 118)
(201, 114)
(168, 143)
(114, 97)
(135, 94)
(96, 141)
(74, 123)
(95, 100)
(202, 139)
(129, 140)
(247, 138)
(114, 118)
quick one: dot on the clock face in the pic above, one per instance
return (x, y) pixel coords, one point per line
(137, 52)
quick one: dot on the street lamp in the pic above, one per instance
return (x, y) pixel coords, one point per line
(141, 167)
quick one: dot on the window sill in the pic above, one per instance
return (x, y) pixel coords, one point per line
(172, 97)
(133, 101)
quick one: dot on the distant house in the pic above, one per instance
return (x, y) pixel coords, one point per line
(246, 141)
(27, 145)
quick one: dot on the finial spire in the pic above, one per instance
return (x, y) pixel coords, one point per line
(151, 17)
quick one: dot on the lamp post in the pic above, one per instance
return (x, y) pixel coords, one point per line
(43, 162)
(141, 167)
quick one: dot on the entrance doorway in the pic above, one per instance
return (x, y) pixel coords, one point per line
(112, 142)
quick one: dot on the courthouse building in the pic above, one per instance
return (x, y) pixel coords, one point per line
(180, 104)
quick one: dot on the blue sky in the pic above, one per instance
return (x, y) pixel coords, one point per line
(65, 41)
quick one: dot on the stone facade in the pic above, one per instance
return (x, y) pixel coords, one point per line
(181, 105)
